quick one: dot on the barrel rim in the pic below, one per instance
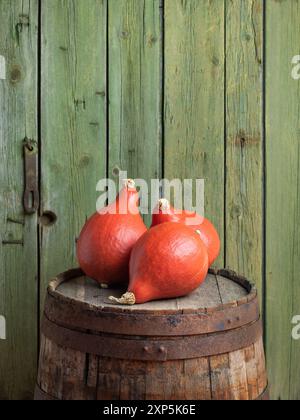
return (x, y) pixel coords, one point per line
(227, 273)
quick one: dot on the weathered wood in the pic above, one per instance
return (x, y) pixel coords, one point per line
(224, 378)
(73, 110)
(208, 309)
(18, 238)
(231, 293)
(244, 138)
(261, 363)
(197, 386)
(135, 90)
(194, 99)
(252, 374)
(60, 380)
(219, 378)
(238, 375)
(87, 290)
(225, 363)
(73, 124)
(282, 197)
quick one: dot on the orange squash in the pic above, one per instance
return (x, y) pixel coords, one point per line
(168, 261)
(164, 212)
(106, 241)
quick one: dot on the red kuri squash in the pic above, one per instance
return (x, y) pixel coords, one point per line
(164, 212)
(168, 261)
(106, 241)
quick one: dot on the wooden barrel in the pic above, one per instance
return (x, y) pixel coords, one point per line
(205, 346)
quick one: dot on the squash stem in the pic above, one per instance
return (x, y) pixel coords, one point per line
(127, 299)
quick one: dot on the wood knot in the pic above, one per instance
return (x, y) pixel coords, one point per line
(80, 103)
(15, 74)
(23, 22)
(242, 140)
(236, 211)
(215, 61)
(116, 171)
(124, 34)
(152, 39)
(84, 161)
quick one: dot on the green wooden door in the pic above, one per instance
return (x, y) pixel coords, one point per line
(18, 234)
(157, 88)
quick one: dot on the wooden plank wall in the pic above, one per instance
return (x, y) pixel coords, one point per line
(18, 234)
(160, 88)
(73, 124)
(282, 196)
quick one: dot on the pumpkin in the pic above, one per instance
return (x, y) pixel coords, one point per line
(106, 241)
(164, 212)
(168, 261)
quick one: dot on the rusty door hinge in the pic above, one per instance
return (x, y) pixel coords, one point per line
(31, 199)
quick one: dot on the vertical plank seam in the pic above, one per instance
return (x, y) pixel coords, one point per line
(162, 83)
(97, 378)
(225, 137)
(264, 180)
(219, 291)
(107, 107)
(210, 378)
(39, 141)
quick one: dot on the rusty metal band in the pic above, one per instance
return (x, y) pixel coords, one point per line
(150, 348)
(74, 316)
(40, 395)
(265, 396)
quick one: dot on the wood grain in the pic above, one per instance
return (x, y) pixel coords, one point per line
(244, 138)
(283, 197)
(238, 376)
(148, 364)
(18, 263)
(135, 90)
(208, 295)
(220, 377)
(164, 81)
(194, 99)
(64, 375)
(252, 372)
(73, 125)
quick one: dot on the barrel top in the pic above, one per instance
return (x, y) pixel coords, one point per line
(221, 289)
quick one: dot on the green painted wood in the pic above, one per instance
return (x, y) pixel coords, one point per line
(74, 143)
(244, 138)
(73, 123)
(283, 196)
(194, 99)
(18, 263)
(134, 89)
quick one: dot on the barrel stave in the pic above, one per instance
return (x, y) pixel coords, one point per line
(172, 350)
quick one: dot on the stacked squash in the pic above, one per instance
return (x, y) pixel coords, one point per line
(169, 260)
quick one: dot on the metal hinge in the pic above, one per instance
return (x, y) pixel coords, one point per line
(31, 199)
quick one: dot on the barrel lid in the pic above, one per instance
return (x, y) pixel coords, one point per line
(225, 301)
(217, 290)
